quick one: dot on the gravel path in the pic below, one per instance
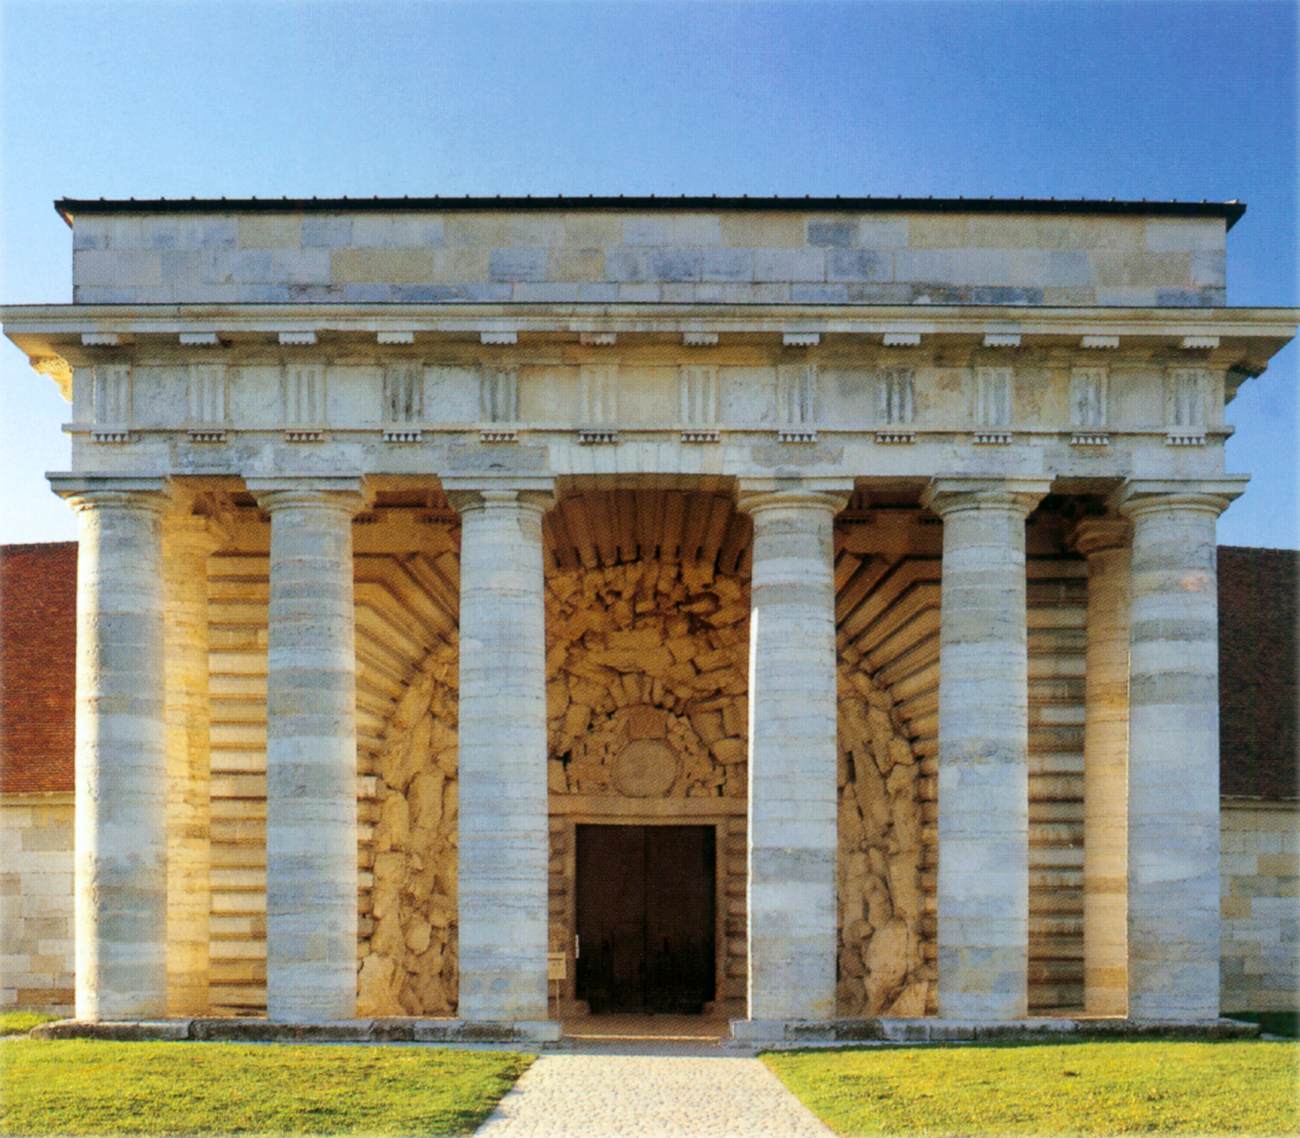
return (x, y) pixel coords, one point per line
(650, 1091)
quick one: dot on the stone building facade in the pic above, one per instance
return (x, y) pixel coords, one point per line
(1260, 821)
(847, 565)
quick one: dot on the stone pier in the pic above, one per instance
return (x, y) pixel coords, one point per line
(188, 541)
(793, 838)
(311, 752)
(121, 829)
(503, 814)
(1105, 543)
(983, 748)
(1173, 781)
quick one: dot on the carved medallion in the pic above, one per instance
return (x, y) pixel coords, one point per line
(645, 768)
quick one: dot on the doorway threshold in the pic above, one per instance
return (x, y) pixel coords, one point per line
(622, 1028)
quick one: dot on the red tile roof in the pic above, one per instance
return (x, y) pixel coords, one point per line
(38, 663)
(1258, 703)
(1257, 674)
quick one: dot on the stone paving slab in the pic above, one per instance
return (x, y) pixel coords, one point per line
(649, 1091)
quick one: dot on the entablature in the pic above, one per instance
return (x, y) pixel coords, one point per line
(1240, 338)
(741, 389)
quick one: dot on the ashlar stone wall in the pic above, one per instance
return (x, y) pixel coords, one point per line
(1260, 905)
(36, 924)
(703, 256)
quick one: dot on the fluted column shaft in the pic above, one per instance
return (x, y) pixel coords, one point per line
(502, 775)
(793, 837)
(311, 757)
(188, 541)
(983, 748)
(120, 832)
(1173, 781)
(1105, 543)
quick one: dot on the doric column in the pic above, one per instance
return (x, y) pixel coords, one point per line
(120, 840)
(1105, 543)
(311, 752)
(1173, 775)
(983, 747)
(188, 541)
(502, 793)
(793, 833)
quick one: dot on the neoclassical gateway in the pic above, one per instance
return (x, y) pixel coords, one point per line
(797, 609)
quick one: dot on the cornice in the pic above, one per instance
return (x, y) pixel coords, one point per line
(56, 337)
(894, 321)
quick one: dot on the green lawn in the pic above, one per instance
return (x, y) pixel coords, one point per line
(20, 1023)
(96, 1087)
(1086, 1088)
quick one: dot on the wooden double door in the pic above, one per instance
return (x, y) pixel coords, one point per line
(646, 909)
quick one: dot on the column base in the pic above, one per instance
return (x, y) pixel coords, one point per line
(250, 1030)
(801, 1033)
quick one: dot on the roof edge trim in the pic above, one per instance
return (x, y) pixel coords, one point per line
(1231, 211)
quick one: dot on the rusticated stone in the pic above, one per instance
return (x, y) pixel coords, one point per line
(376, 990)
(406, 967)
(880, 855)
(887, 959)
(425, 797)
(729, 750)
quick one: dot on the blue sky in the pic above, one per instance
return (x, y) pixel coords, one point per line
(1104, 99)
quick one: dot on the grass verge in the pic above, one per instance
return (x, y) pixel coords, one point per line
(1082, 1088)
(20, 1023)
(95, 1087)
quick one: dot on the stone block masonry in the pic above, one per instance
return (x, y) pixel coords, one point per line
(704, 256)
(36, 926)
(311, 756)
(793, 839)
(1260, 905)
(983, 749)
(1173, 838)
(417, 420)
(502, 712)
(121, 841)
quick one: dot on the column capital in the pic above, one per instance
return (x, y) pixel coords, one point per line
(829, 494)
(484, 492)
(1144, 496)
(348, 494)
(1097, 535)
(948, 495)
(91, 491)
